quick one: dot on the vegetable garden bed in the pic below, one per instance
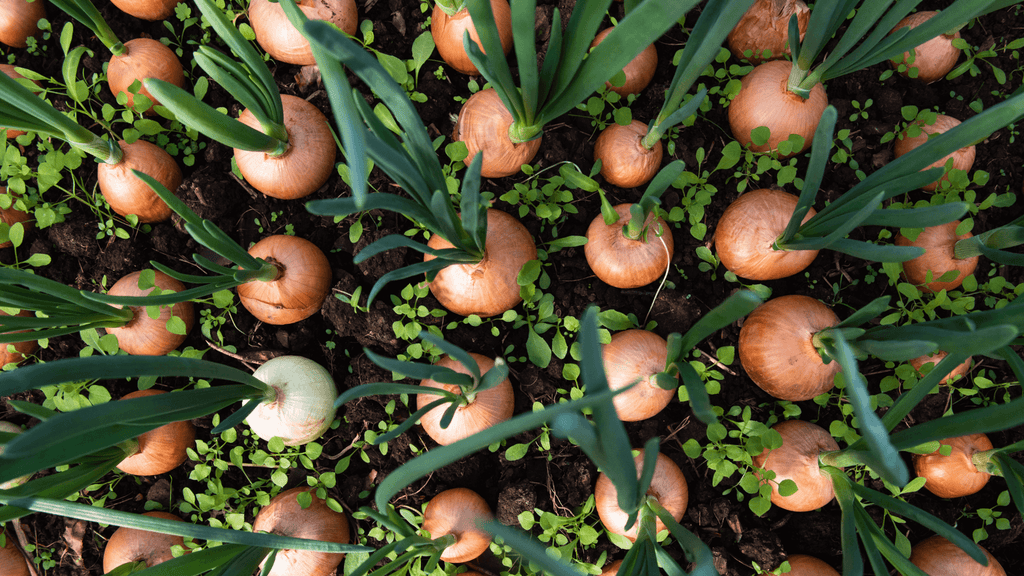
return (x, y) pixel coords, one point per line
(533, 476)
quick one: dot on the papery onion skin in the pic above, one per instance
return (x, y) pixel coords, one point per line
(145, 336)
(489, 407)
(625, 162)
(455, 512)
(131, 545)
(804, 565)
(963, 159)
(303, 407)
(19, 20)
(147, 9)
(483, 125)
(765, 27)
(282, 41)
(127, 193)
(302, 285)
(939, 243)
(933, 59)
(955, 475)
(639, 71)
(777, 351)
(625, 263)
(934, 359)
(12, 563)
(489, 287)
(611, 569)
(284, 516)
(636, 355)
(161, 449)
(9, 69)
(304, 167)
(750, 226)
(668, 487)
(797, 460)
(448, 32)
(937, 556)
(6, 426)
(144, 58)
(763, 100)
(21, 349)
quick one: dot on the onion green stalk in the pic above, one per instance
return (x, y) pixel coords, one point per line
(85, 12)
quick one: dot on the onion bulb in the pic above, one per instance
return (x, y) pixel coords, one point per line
(12, 563)
(14, 353)
(488, 287)
(6, 426)
(797, 460)
(963, 159)
(144, 335)
(625, 161)
(143, 58)
(939, 243)
(127, 193)
(19, 20)
(933, 59)
(804, 565)
(300, 288)
(282, 41)
(668, 488)
(301, 404)
(456, 512)
(448, 31)
(750, 226)
(147, 9)
(611, 569)
(160, 450)
(937, 556)
(955, 475)
(12, 73)
(777, 347)
(305, 165)
(764, 100)
(764, 30)
(488, 407)
(131, 545)
(639, 72)
(284, 516)
(631, 356)
(625, 262)
(483, 125)
(934, 359)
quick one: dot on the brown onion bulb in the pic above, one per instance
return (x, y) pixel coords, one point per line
(131, 545)
(797, 460)
(634, 355)
(9, 69)
(12, 563)
(623, 262)
(146, 336)
(625, 162)
(763, 100)
(804, 565)
(448, 31)
(143, 58)
(489, 407)
(147, 9)
(938, 258)
(955, 475)
(668, 487)
(764, 28)
(455, 512)
(963, 159)
(639, 72)
(12, 216)
(128, 194)
(777, 349)
(302, 284)
(284, 42)
(161, 449)
(748, 228)
(20, 349)
(934, 359)
(940, 557)
(483, 125)
(488, 287)
(933, 59)
(306, 164)
(611, 569)
(19, 20)
(284, 516)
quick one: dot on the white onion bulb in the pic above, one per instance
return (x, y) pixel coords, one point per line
(302, 407)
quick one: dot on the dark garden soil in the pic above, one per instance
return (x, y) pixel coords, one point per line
(562, 479)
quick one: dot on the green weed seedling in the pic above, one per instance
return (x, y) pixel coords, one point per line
(726, 77)
(755, 165)
(551, 199)
(608, 107)
(565, 535)
(696, 192)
